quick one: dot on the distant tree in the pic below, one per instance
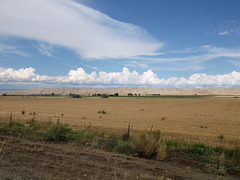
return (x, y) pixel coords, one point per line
(75, 96)
(116, 94)
(4, 94)
(105, 96)
(52, 94)
(130, 94)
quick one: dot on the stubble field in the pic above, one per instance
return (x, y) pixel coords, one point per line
(190, 119)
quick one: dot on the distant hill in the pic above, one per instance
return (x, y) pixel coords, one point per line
(123, 91)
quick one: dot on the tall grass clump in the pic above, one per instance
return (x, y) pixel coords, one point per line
(150, 145)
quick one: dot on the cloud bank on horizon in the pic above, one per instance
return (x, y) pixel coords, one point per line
(45, 35)
(28, 76)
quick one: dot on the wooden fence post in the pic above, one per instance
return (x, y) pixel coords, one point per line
(58, 120)
(151, 128)
(33, 120)
(10, 121)
(128, 130)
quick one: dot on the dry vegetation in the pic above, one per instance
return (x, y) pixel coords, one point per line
(188, 138)
(213, 121)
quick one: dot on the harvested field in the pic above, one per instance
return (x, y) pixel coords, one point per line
(189, 119)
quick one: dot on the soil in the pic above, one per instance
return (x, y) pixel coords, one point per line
(22, 158)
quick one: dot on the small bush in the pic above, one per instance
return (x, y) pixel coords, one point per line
(125, 137)
(110, 143)
(198, 148)
(125, 147)
(60, 132)
(32, 113)
(148, 145)
(23, 112)
(102, 112)
(221, 137)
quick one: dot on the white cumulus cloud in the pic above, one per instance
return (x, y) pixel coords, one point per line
(70, 24)
(22, 74)
(126, 77)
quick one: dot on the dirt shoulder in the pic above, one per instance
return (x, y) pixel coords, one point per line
(26, 159)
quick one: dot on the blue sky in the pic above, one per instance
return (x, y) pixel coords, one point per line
(110, 43)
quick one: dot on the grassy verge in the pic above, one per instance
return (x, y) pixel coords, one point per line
(149, 145)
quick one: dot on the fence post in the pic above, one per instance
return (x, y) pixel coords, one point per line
(33, 120)
(58, 120)
(151, 128)
(10, 121)
(128, 130)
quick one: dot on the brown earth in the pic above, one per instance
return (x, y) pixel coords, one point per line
(24, 159)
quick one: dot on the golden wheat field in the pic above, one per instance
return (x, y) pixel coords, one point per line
(189, 119)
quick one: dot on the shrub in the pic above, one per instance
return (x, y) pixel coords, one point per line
(221, 137)
(198, 148)
(125, 137)
(110, 143)
(102, 112)
(148, 145)
(60, 132)
(32, 113)
(125, 147)
(23, 112)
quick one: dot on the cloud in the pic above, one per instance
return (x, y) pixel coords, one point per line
(201, 54)
(235, 63)
(125, 78)
(229, 31)
(136, 64)
(224, 33)
(22, 74)
(70, 24)
(10, 49)
(45, 49)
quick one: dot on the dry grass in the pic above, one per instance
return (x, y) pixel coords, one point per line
(176, 118)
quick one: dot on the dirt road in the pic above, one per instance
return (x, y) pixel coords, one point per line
(25, 159)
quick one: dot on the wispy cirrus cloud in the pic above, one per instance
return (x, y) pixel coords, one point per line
(135, 64)
(70, 24)
(228, 31)
(196, 55)
(10, 49)
(81, 77)
(45, 49)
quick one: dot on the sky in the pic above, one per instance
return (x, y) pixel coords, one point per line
(113, 43)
